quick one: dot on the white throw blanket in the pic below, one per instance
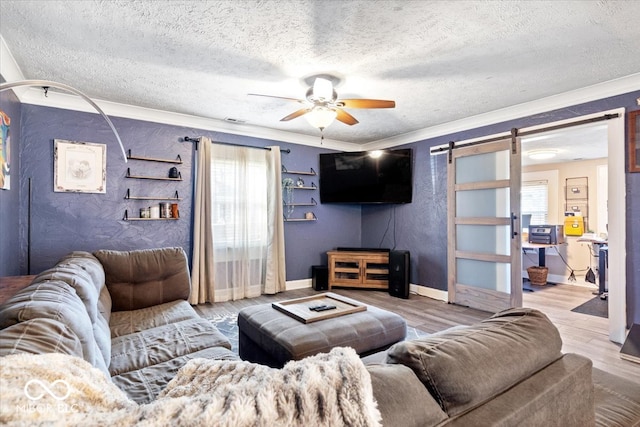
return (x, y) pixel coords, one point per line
(330, 389)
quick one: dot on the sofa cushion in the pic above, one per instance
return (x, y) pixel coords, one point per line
(53, 299)
(402, 398)
(131, 321)
(157, 345)
(143, 385)
(147, 277)
(40, 335)
(468, 366)
(617, 400)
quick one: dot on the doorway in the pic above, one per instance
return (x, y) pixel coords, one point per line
(606, 140)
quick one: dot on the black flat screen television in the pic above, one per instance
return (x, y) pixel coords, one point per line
(381, 176)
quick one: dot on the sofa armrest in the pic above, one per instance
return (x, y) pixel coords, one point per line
(562, 394)
(144, 278)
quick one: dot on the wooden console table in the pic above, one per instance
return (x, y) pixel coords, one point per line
(10, 285)
(358, 269)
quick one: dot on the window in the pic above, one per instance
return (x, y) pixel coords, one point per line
(239, 196)
(534, 201)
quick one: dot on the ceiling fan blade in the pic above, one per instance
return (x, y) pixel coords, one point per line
(295, 114)
(365, 103)
(345, 117)
(302, 101)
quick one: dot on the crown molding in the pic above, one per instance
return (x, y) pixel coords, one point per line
(607, 89)
(35, 96)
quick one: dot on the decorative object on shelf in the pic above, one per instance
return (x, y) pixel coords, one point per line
(300, 182)
(287, 196)
(179, 178)
(145, 213)
(79, 167)
(165, 210)
(175, 213)
(309, 215)
(155, 212)
(173, 172)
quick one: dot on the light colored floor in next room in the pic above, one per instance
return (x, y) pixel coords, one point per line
(583, 334)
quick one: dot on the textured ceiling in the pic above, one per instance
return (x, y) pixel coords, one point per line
(439, 60)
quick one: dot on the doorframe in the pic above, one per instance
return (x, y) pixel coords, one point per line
(617, 190)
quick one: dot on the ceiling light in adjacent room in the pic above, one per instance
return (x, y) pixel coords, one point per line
(541, 154)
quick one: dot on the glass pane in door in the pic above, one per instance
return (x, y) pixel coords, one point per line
(483, 167)
(486, 275)
(489, 239)
(493, 202)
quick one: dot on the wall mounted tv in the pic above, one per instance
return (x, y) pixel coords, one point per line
(381, 176)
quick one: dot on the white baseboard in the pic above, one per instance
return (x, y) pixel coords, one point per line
(557, 278)
(424, 291)
(298, 284)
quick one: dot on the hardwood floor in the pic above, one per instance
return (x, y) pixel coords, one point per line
(583, 334)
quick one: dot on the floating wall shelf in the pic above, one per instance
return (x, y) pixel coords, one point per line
(177, 161)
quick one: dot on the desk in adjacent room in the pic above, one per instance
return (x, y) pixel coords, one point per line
(542, 251)
(542, 254)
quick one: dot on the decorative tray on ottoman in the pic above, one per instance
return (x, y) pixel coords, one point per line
(318, 307)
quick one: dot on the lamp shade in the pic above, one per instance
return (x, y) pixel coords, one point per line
(320, 116)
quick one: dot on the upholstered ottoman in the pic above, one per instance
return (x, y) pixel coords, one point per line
(272, 338)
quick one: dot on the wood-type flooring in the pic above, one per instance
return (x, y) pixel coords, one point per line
(581, 333)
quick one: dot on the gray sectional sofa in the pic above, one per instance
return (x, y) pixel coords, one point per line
(126, 313)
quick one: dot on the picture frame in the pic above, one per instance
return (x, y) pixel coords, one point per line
(79, 167)
(633, 120)
(5, 151)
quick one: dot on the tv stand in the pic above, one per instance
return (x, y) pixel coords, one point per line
(359, 269)
(387, 250)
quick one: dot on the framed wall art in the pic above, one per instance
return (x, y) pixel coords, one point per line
(633, 120)
(79, 167)
(5, 152)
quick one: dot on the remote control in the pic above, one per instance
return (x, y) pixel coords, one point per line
(326, 307)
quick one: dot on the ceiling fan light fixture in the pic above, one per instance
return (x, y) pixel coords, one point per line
(541, 154)
(320, 116)
(322, 90)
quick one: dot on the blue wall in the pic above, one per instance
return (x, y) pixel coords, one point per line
(421, 227)
(63, 222)
(10, 199)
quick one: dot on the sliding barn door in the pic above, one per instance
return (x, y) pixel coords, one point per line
(484, 245)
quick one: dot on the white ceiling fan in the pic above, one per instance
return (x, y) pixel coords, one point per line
(322, 105)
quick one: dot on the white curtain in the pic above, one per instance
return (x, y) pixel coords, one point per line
(238, 225)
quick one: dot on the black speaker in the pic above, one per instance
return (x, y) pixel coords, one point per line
(320, 277)
(399, 262)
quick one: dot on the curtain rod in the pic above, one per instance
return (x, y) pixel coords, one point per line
(196, 140)
(529, 132)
